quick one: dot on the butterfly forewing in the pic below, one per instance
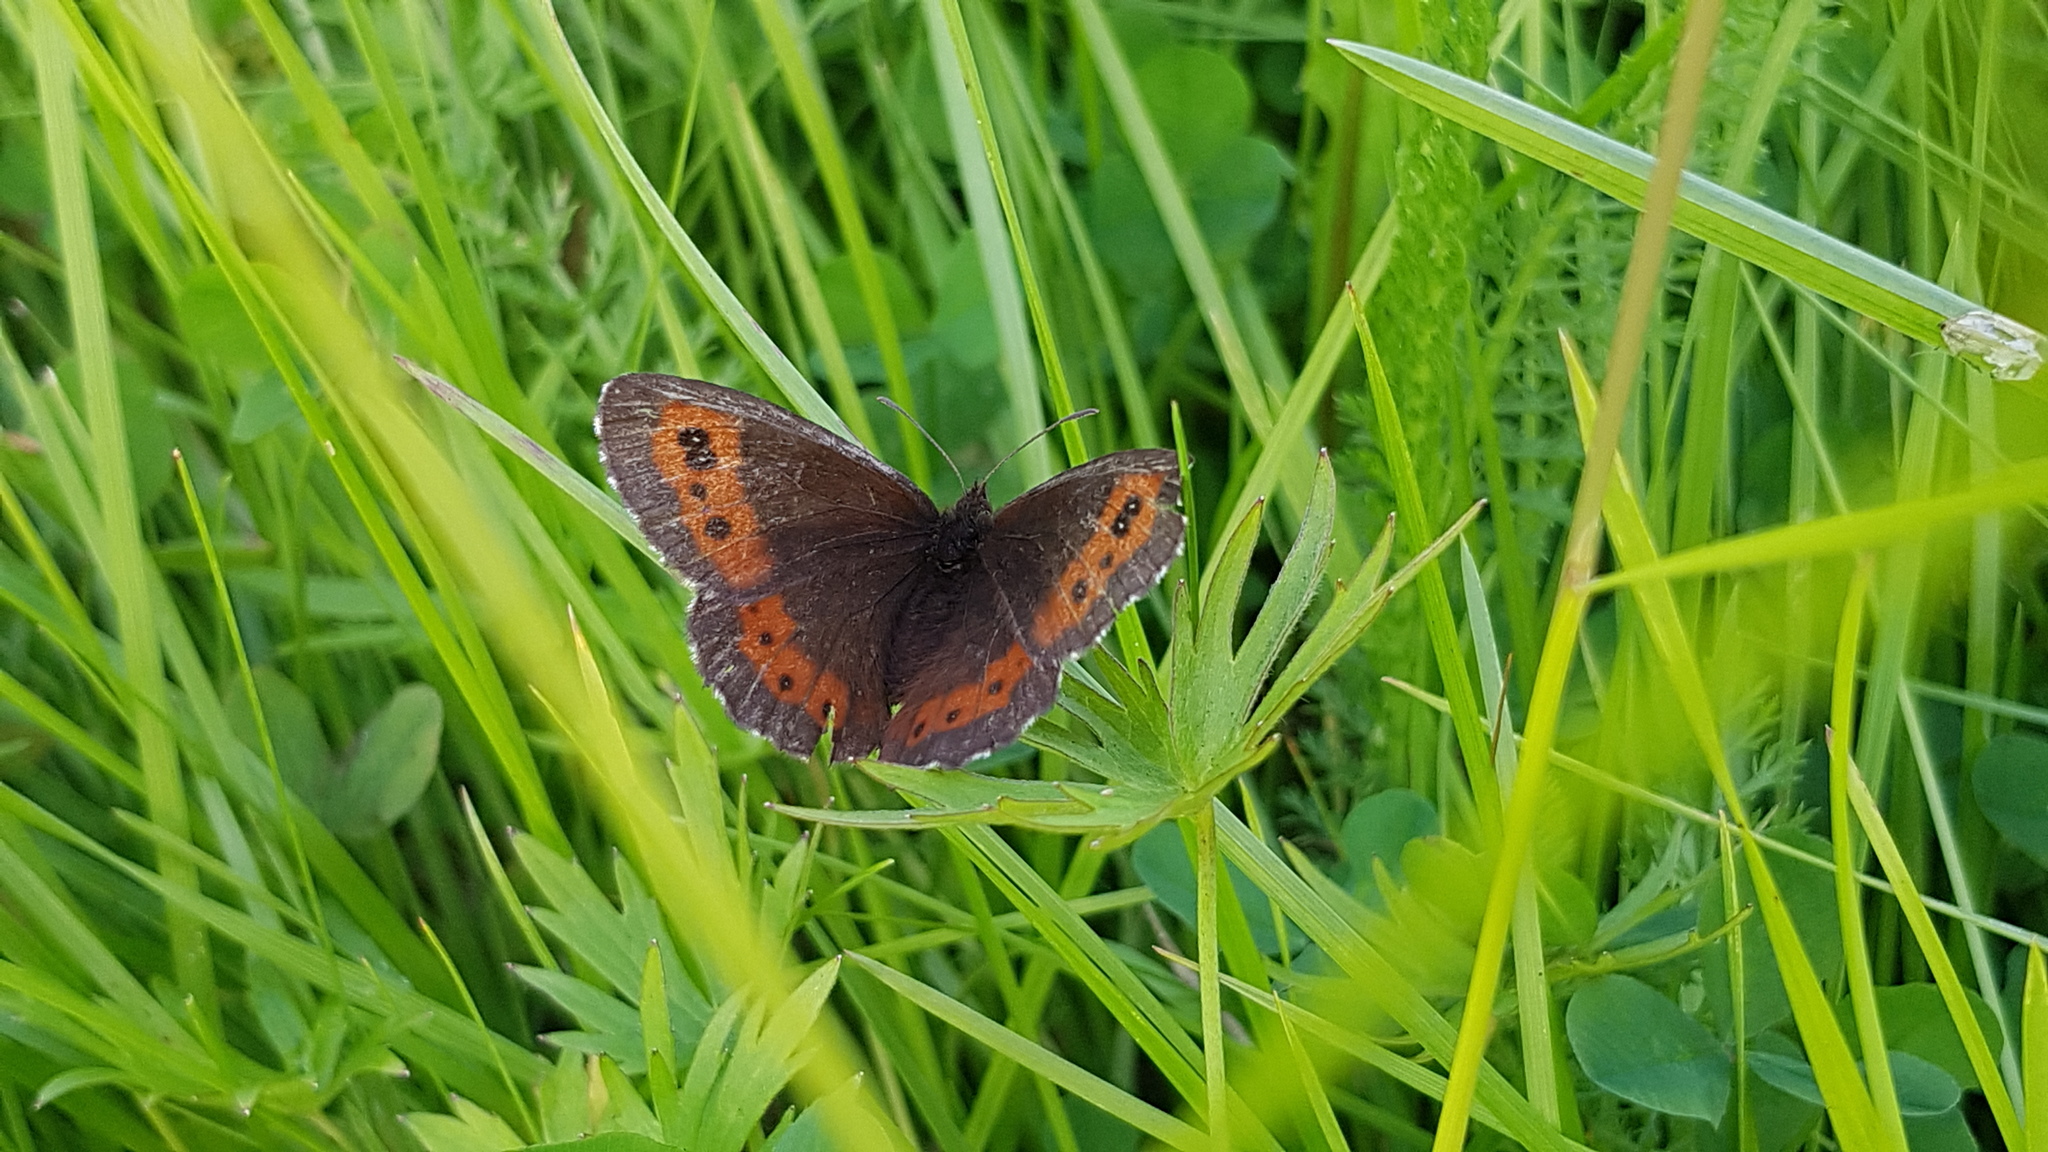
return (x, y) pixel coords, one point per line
(800, 546)
(1081, 546)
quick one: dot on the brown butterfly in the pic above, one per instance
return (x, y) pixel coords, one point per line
(830, 589)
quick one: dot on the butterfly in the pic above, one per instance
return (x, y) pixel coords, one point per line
(831, 590)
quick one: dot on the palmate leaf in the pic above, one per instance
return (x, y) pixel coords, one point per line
(1164, 743)
(612, 945)
(734, 1060)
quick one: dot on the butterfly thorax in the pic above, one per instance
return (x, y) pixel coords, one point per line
(958, 534)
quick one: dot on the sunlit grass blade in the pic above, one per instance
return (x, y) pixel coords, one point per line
(293, 320)
(2013, 487)
(2034, 1013)
(1627, 532)
(1990, 1077)
(694, 890)
(1848, 896)
(1311, 1082)
(117, 536)
(1533, 1003)
(1655, 800)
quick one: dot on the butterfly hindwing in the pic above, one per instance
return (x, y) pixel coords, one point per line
(978, 687)
(800, 546)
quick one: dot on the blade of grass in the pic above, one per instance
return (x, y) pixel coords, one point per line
(1088, 958)
(1375, 978)
(1305, 399)
(785, 30)
(1982, 1060)
(700, 891)
(1848, 896)
(573, 484)
(2021, 484)
(797, 266)
(1581, 553)
(557, 64)
(1213, 1071)
(512, 1088)
(309, 894)
(1827, 1049)
(1683, 811)
(1196, 261)
(1532, 984)
(297, 324)
(1137, 406)
(1738, 993)
(1956, 861)
(1006, 262)
(1802, 254)
(1082, 1083)
(1413, 526)
(117, 538)
(1311, 1082)
(2034, 1011)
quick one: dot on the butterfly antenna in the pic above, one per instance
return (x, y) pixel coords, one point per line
(1040, 434)
(898, 409)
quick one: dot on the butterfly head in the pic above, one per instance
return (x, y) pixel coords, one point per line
(960, 529)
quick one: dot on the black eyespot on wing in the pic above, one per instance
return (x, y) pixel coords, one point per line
(696, 446)
(1122, 525)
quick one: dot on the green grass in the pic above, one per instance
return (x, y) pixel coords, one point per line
(1671, 771)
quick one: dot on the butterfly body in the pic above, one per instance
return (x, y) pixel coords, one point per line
(830, 589)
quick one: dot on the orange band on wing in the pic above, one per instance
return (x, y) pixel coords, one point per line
(767, 636)
(989, 693)
(1121, 528)
(697, 450)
